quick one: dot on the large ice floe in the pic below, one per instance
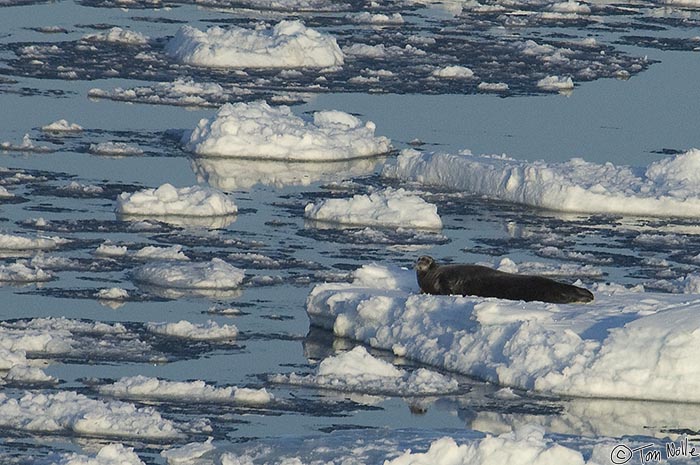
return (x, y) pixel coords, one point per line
(215, 274)
(667, 187)
(289, 44)
(257, 130)
(389, 207)
(167, 200)
(358, 371)
(624, 345)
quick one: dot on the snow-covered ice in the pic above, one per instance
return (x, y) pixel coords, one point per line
(115, 149)
(107, 249)
(377, 18)
(493, 87)
(288, 44)
(20, 272)
(526, 446)
(358, 371)
(209, 331)
(27, 145)
(112, 293)
(62, 125)
(146, 388)
(667, 187)
(151, 252)
(17, 242)
(388, 207)
(257, 130)
(167, 200)
(556, 83)
(118, 35)
(188, 453)
(454, 72)
(215, 274)
(627, 345)
(111, 454)
(70, 412)
(181, 92)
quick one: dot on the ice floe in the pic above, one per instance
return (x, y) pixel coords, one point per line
(167, 200)
(626, 345)
(62, 125)
(257, 130)
(289, 44)
(388, 207)
(115, 149)
(118, 35)
(20, 273)
(145, 388)
(107, 249)
(209, 331)
(667, 187)
(27, 145)
(188, 453)
(112, 293)
(454, 72)
(377, 18)
(358, 371)
(493, 87)
(151, 252)
(77, 188)
(111, 454)
(215, 274)
(526, 446)
(68, 412)
(181, 92)
(10, 242)
(556, 83)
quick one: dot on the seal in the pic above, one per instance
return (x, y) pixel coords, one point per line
(476, 280)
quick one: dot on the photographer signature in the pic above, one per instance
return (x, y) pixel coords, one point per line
(647, 453)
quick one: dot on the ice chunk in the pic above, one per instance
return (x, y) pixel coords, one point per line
(168, 200)
(209, 331)
(390, 207)
(257, 130)
(216, 274)
(289, 44)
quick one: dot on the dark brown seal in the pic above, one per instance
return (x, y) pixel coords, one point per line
(482, 281)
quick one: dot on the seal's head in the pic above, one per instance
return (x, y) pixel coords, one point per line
(425, 263)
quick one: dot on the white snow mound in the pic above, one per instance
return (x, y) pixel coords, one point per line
(216, 274)
(358, 371)
(257, 130)
(167, 200)
(389, 207)
(289, 44)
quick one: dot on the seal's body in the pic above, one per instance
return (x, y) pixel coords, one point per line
(482, 281)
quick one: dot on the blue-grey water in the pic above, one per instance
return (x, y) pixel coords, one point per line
(624, 121)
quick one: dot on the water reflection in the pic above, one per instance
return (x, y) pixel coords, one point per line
(172, 293)
(229, 174)
(205, 222)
